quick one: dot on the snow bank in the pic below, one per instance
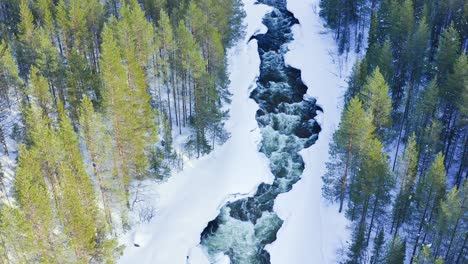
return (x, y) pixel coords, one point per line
(313, 230)
(193, 197)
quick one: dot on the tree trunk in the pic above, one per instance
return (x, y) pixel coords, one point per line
(462, 163)
(454, 231)
(421, 224)
(345, 177)
(462, 250)
(184, 98)
(3, 141)
(372, 219)
(403, 122)
(169, 105)
(105, 202)
(174, 95)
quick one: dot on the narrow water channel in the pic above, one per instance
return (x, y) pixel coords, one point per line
(286, 119)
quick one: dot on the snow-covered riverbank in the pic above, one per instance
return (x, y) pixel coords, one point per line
(190, 199)
(312, 230)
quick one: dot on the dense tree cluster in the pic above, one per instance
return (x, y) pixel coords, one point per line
(87, 88)
(399, 156)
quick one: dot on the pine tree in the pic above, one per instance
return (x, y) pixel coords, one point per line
(429, 192)
(34, 200)
(10, 81)
(40, 91)
(407, 173)
(402, 24)
(452, 93)
(430, 143)
(115, 94)
(425, 257)
(345, 151)
(356, 252)
(166, 43)
(62, 26)
(153, 8)
(49, 64)
(449, 225)
(86, 19)
(377, 102)
(357, 79)
(136, 33)
(453, 101)
(396, 251)
(426, 107)
(26, 30)
(385, 61)
(449, 45)
(416, 53)
(77, 192)
(79, 218)
(82, 81)
(187, 52)
(373, 38)
(16, 236)
(370, 189)
(93, 132)
(377, 251)
(43, 8)
(127, 104)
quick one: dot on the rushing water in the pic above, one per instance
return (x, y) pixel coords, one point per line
(286, 119)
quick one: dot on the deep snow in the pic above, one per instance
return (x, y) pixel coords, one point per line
(190, 199)
(312, 231)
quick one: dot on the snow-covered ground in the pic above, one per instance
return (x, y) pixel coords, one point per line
(190, 199)
(313, 230)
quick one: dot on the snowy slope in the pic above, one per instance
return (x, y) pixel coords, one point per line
(190, 199)
(313, 231)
